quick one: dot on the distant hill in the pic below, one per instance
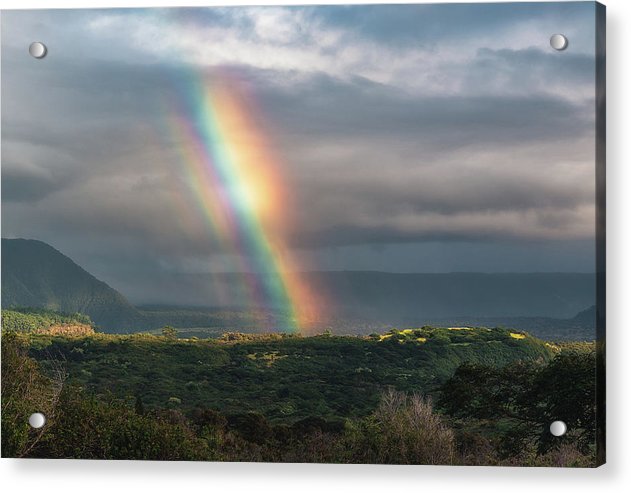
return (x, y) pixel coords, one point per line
(558, 295)
(393, 298)
(382, 299)
(585, 317)
(34, 274)
(581, 327)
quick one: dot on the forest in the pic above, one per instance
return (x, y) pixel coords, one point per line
(470, 396)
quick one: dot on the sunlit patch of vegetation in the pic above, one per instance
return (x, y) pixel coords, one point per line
(516, 335)
(552, 347)
(42, 321)
(267, 358)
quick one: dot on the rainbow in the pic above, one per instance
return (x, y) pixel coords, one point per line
(236, 180)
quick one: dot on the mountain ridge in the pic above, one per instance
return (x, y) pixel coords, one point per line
(35, 274)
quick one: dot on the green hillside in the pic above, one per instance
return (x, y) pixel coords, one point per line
(36, 275)
(284, 377)
(414, 396)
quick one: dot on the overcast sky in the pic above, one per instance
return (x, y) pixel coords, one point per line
(429, 138)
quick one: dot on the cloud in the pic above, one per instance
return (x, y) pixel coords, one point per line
(24, 185)
(416, 47)
(393, 125)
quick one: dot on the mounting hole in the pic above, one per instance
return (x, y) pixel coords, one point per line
(558, 428)
(37, 420)
(37, 49)
(558, 42)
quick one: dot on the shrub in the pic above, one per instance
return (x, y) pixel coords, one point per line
(403, 430)
(25, 390)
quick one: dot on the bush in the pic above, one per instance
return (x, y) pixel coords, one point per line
(25, 390)
(89, 429)
(403, 430)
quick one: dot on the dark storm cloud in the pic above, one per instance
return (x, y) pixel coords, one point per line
(365, 151)
(330, 107)
(19, 186)
(392, 125)
(377, 124)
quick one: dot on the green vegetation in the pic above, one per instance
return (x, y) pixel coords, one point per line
(35, 274)
(169, 332)
(284, 377)
(402, 428)
(40, 320)
(202, 322)
(24, 389)
(515, 404)
(279, 397)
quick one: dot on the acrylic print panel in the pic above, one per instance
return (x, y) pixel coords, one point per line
(347, 234)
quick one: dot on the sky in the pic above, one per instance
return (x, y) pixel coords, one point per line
(418, 138)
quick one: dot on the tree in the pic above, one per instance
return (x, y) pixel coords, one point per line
(529, 397)
(169, 332)
(566, 390)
